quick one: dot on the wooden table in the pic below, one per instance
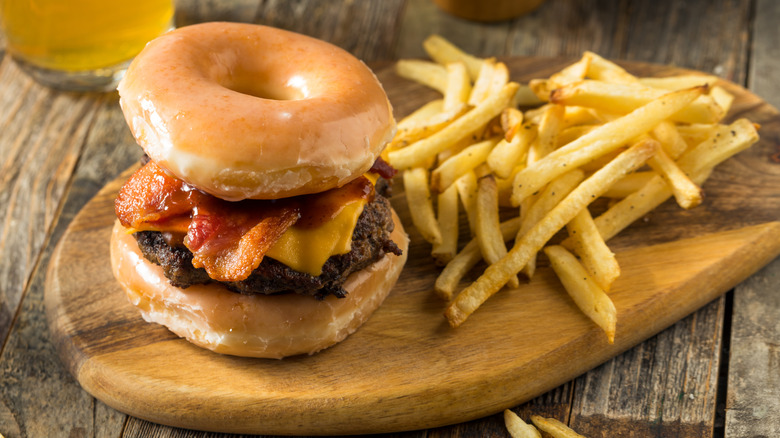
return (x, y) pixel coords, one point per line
(715, 373)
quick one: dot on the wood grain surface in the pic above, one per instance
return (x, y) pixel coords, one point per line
(706, 376)
(520, 344)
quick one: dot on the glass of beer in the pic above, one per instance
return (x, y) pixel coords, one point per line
(82, 45)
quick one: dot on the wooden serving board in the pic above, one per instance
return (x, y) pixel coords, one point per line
(405, 368)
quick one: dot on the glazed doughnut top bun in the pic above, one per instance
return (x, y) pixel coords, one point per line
(258, 223)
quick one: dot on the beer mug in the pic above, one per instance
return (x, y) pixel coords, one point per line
(82, 45)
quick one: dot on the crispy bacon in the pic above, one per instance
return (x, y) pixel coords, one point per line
(228, 239)
(383, 169)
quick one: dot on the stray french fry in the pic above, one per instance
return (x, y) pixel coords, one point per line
(497, 274)
(671, 140)
(420, 206)
(599, 141)
(427, 73)
(488, 228)
(555, 428)
(417, 153)
(596, 257)
(519, 428)
(586, 293)
(444, 52)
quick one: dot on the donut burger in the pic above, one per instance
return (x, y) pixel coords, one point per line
(257, 225)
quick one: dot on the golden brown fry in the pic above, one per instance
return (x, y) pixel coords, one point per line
(549, 128)
(518, 428)
(671, 140)
(419, 129)
(572, 133)
(599, 141)
(467, 191)
(623, 98)
(466, 259)
(497, 274)
(586, 293)
(420, 204)
(629, 184)
(555, 428)
(447, 217)
(681, 82)
(488, 228)
(588, 244)
(444, 52)
(607, 71)
(507, 155)
(511, 120)
(418, 153)
(424, 72)
(458, 87)
(686, 192)
(539, 206)
(461, 163)
(422, 113)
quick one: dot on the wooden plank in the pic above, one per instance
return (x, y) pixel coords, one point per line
(43, 133)
(753, 396)
(38, 393)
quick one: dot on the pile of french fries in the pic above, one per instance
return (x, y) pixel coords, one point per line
(594, 131)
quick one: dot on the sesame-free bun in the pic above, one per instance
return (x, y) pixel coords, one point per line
(268, 326)
(244, 111)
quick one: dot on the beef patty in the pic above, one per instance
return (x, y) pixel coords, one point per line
(370, 242)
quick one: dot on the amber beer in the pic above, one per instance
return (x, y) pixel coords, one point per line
(81, 44)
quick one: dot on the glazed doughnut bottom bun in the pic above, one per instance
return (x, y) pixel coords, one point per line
(265, 326)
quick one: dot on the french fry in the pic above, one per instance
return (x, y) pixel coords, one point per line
(607, 71)
(555, 428)
(624, 98)
(525, 97)
(669, 137)
(681, 82)
(425, 112)
(511, 121)
(599, 141)
(418, 130)
(696, 133)
(417, 153)
(458, 87)
(424, 72)
(499, 78)
(497, 274)
(629, 184)
(686, 192)
(467, 192)
(447, 209)
(444, 52)
(586, 293)
(572, 133)
(459, 164)
(543, 204)
(518, 428)
(466, 259)
(596, 257)
(420, 206)
(488, 228)
(698, 163)
(723, 98)
(507, 155)
(483, 83)
(549, 128)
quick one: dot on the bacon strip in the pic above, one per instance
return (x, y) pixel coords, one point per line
(228, 239)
